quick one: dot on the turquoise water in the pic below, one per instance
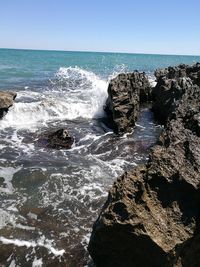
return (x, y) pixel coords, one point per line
(25, 67)
(50, 198)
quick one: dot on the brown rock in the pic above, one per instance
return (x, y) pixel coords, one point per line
(6, 101)
(125, 92)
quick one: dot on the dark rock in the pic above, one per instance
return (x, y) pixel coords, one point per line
(151, 217)
(6, 101)
(180, 71)
(125, 92)
(58, 139)
(166, 95)
(172, 82)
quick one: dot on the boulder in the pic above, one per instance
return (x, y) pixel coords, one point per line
(125, 92)
(6, 101)
(151, 217)
(57, 139)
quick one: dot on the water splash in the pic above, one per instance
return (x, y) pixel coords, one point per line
(74, 93)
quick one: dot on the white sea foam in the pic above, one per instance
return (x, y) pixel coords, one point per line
(7, 173)
(82, 95)
(5, 218)
(86, 89)
(37, 262)
(40, 243)
(12, 264)
(152, 80)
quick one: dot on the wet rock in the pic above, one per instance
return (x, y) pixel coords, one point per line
(151, 217)
(125, 92)
(6, 101)
(57, 139)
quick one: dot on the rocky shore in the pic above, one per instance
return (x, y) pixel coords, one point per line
(151, 217)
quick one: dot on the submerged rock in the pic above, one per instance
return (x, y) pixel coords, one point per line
(6, 101)
(151, 217)
(57, 139)
(125, 92)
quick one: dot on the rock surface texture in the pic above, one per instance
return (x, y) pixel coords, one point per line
(124, 95)
(6, 101)
(172, 83)
(151, 217)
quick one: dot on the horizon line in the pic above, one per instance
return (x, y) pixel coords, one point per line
(89, 51)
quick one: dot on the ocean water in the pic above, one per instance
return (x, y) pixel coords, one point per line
(50, 198)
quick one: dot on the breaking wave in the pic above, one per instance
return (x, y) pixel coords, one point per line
(73, 93)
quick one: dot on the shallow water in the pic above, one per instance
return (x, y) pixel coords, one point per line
(50, 198)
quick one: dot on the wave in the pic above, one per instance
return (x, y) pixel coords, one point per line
(74, 93)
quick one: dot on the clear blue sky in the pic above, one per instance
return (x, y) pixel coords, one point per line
(143, 26)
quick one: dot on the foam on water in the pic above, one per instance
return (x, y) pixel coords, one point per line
(40, 243)
(74, 93)
(37, 262)
(7, 174)
(152, 80)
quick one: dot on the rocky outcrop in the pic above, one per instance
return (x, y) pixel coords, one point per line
(6, 101)
(151, 217)
(57, 139)
(166, 94)
(125, 92)
(192, 72)
(172, 83)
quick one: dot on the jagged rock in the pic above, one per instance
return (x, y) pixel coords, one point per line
(57, 139)
(172, 82)
(166, 94)
(6, 101)
(192, 72)
(172, 72)
(151, 217)
(125, 92)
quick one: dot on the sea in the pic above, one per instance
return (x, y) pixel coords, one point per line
(50, 198)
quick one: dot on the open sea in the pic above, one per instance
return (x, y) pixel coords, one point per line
(49, 199)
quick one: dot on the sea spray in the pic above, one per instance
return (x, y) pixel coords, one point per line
(82, 95)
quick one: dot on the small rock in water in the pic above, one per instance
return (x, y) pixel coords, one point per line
(60, 139)
(56, 139)
(6, 101)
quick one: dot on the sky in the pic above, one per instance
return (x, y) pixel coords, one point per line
(133, 26)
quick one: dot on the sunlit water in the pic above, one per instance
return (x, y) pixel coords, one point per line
(50, 198)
